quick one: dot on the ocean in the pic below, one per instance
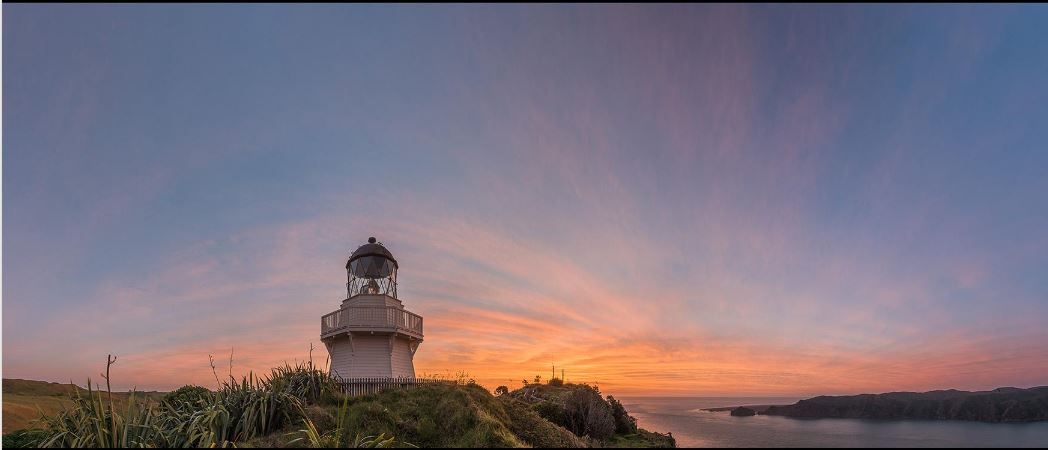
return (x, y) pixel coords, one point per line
(692, 427)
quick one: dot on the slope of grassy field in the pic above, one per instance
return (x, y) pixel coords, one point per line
(24, 400)
(581, 409)
(454, 416)
(451, 416)
(274, 411)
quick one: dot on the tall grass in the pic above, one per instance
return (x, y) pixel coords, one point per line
(92, 422)
(239, 410)
(305, 382)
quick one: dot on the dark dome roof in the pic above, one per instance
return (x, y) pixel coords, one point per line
(372, 248)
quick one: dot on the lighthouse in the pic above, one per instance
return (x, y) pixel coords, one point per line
(371, 334)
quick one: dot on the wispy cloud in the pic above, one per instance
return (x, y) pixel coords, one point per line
(672, 199)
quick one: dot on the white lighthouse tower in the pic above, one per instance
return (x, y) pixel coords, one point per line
(371, 335)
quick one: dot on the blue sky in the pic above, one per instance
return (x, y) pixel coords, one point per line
(806, 198)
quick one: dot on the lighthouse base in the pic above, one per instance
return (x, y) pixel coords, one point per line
(356, 355)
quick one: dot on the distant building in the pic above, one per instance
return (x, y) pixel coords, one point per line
(371, 334)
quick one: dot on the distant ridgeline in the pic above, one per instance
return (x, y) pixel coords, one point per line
(998, 405)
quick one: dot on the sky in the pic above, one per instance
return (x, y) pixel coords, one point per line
(662, 200)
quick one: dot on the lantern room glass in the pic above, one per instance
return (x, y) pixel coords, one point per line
(372, 275)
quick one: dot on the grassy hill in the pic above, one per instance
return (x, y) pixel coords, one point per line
(581, 409)
(24, 400)
(275, 411)
(465, 416)
(462, 416)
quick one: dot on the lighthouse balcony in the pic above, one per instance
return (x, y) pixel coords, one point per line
(371, 319)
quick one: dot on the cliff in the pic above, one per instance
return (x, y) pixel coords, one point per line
(998, 405)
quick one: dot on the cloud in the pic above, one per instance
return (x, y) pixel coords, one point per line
(666, 201)
(499, 310)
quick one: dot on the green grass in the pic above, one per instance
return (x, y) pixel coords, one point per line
(578, 407)
(453, 416)
(240, 411)
(642, 439)
(298, 407)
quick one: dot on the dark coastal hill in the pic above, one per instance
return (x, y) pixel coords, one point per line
(998, 405)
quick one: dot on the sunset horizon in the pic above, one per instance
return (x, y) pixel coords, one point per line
(679, 200)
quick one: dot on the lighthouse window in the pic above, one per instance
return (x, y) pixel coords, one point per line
(372, 267)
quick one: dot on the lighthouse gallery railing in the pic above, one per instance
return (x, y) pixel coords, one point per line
(372, 317)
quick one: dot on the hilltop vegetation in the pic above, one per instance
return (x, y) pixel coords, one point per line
(467, 415)
(299, 407)
(453, 415)
(580, 409)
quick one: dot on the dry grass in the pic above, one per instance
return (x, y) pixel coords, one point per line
(25, 399)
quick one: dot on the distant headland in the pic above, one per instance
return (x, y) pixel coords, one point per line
(1005, 404)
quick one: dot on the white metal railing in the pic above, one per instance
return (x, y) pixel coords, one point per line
(371, 317)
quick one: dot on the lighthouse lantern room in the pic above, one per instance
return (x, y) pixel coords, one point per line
(371, 335)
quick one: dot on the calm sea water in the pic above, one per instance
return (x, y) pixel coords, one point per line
(693, 427)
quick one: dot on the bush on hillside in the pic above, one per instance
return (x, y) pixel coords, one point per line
(537, 431)
(305, 382)
(587, 414)
(577, 407)
(624, 423)
(187, 394)
(551, 411)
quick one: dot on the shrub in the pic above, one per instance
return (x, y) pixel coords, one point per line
(188, 394)
(587, 414)
(535, 430)
(624, 423)
(551, 411)
(305, 382)
(556, 382)
(255, 408)
(501, 390)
